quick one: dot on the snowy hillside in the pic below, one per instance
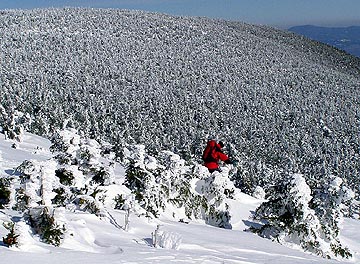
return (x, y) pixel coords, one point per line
(128, 100)
(283, 103)
(93, 237)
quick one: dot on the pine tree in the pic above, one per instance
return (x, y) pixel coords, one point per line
(43, 222)
(288, 218)
(330, 198)
(4, 191)
(11, 238)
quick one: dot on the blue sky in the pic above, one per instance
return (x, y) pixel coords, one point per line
(280, 13)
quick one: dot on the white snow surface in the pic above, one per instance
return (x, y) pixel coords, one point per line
(91, 239)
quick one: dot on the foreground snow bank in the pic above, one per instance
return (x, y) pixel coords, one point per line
(103, 234)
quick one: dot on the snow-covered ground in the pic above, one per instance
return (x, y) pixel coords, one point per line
(91, 239)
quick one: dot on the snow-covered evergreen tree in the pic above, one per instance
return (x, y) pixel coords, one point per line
(217, 187)
(13, 123)
(38, 180)
(11, 238)
(43, 222)
(331, 199)
(5, 191)
(288, 218)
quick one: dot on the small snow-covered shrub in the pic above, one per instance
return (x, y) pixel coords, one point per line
(37, 180)
(216, 189)
(259, 193)
(181, 194)
(65, 158)
(166, 239)
(66, 177)
(101, 176)
(26, 169)
(88, 155)
(61, 198)
(119, 202)
(4, 192)
(58, 144)
(42, 220)
(218, 217)
(196, 206)
(150, 194)
(21, 200)
(11, 238)
(218, 186)
(65, 141)
(13, 122)
(135, 178)
(88, 204)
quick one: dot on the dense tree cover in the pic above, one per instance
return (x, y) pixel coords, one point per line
(81, 177)
(283, 102)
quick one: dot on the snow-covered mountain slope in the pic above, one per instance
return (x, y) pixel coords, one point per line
(284, 102)
(97, 238)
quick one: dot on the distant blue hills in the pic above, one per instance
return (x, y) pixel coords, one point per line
(344, 38)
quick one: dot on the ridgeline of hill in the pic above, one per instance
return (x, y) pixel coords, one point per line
(344, 38)
(284, 103)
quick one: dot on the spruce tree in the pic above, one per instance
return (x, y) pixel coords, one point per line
(288, 218)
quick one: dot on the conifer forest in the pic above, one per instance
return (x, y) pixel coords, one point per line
(280, 102)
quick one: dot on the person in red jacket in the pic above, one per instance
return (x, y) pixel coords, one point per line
(213, 154)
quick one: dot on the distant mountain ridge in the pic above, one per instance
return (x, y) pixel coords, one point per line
(344, 38)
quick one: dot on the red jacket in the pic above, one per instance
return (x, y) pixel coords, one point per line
(212, 155)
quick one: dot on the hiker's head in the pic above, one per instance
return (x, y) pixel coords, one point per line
(221, 144)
